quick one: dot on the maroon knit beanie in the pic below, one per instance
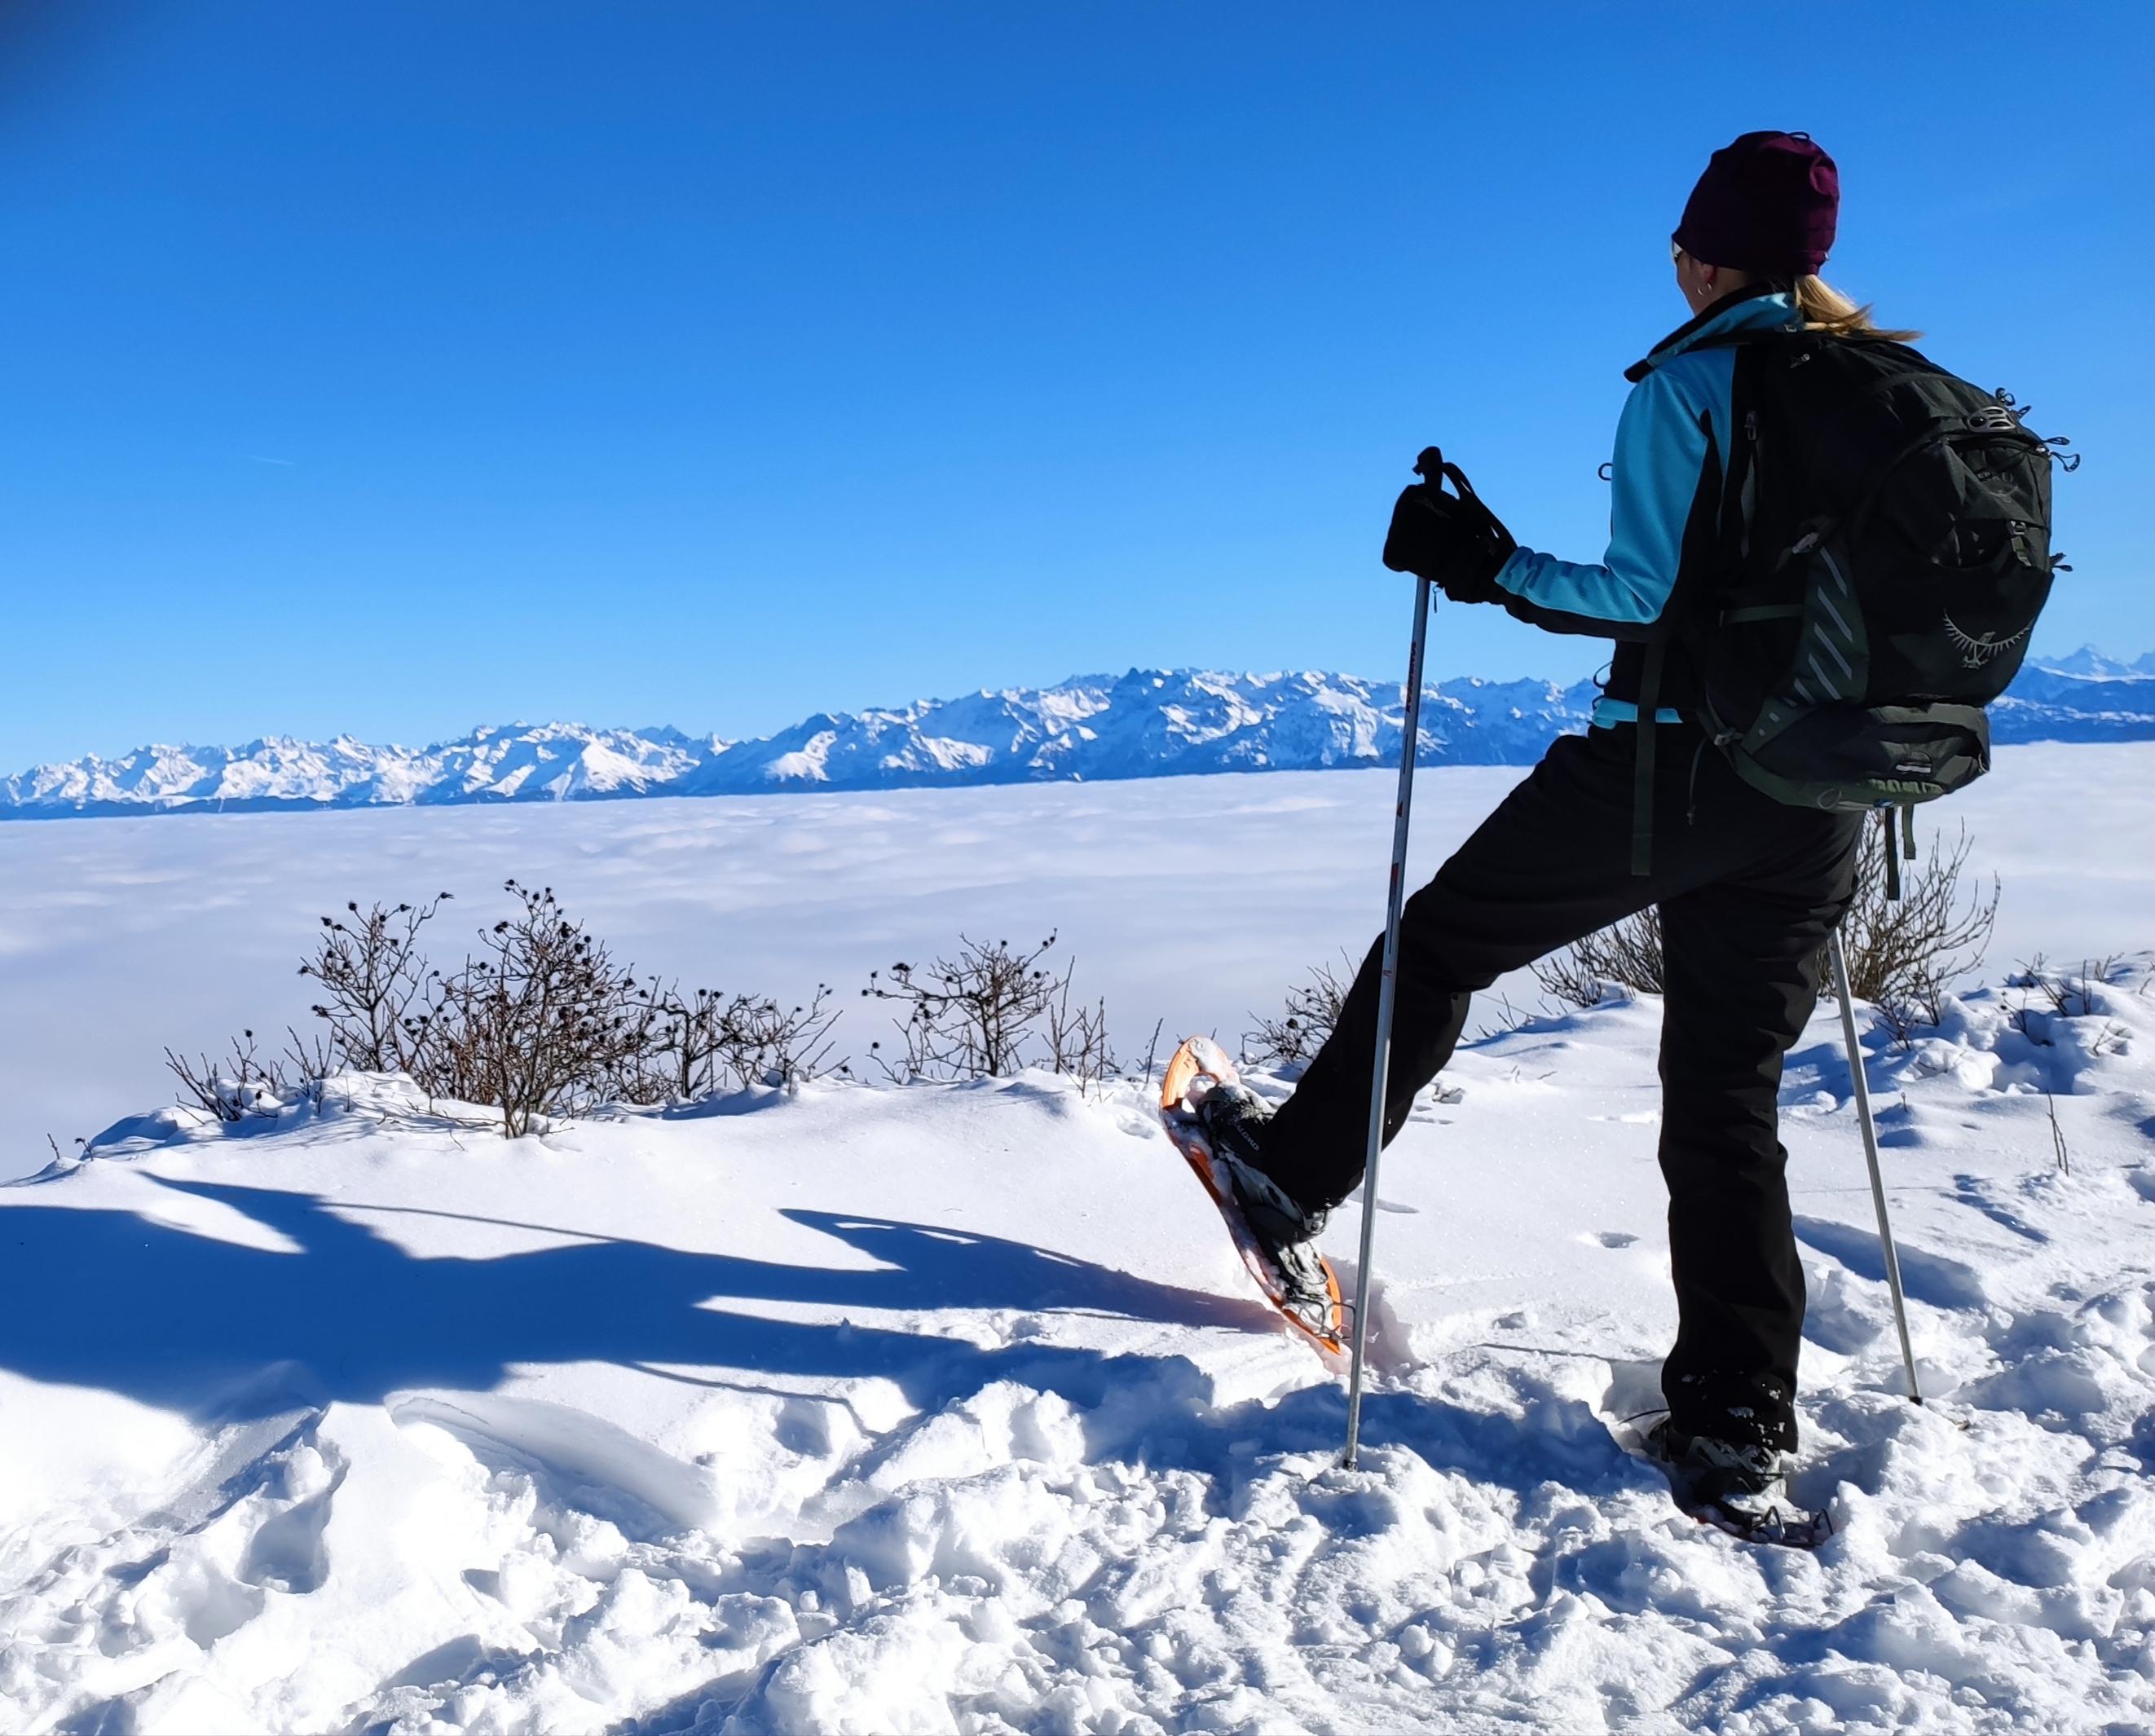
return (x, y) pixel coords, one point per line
(1767, 205)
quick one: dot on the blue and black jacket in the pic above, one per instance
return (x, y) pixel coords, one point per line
(1673, 451)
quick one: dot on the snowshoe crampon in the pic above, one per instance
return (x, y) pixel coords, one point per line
(1709, 1494)
(1782, 1526)
(1199, 1067)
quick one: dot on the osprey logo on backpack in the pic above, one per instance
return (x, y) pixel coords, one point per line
(1977, 652)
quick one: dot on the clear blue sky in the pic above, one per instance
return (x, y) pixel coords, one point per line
(393, 366)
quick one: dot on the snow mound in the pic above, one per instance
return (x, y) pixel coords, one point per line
(948, 1408)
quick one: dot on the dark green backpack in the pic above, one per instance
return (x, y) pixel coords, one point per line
(1885, 542)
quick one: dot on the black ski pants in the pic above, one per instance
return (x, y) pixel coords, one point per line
(1749, 890)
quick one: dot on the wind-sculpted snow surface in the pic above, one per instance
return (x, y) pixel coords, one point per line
(948, 1408)
(1146, 724)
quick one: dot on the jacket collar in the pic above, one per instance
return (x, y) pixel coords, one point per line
(1766, 304)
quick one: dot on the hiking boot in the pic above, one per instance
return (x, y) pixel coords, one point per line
(1233, 1117)
(1744, 1489)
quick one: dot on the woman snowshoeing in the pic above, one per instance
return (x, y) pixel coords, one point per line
(1747, 886)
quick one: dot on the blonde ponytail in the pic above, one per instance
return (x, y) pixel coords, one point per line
(1825, 308)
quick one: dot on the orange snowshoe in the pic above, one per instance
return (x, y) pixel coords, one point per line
(1200, 1067)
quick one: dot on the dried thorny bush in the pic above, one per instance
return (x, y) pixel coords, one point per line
(971, 1017)
(1904, 954)
(708, 1042)
(1627, 954)
(540, 1022)
(247, 1085)
(2067, 995)
(372, 977)
(1312, 1011)
(1077, 1040)
(967, 1018)
(765, 1044)
(683, 1055)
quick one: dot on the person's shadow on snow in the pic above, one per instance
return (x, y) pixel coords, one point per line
(222, 1331)
(107, 1298)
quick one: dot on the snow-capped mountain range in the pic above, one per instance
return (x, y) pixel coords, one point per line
(1148, 722)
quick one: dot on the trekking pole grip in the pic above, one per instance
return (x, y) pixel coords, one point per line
(1433, 468)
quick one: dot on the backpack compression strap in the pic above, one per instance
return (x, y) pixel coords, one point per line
(1642, 775)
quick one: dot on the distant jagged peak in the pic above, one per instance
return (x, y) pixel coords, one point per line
(1144, 723)
(2091, 664)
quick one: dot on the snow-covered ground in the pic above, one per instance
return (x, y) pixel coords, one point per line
(949, 1407)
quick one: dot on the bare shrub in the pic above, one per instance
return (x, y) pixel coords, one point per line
(682, 1055)
(1566, 976)
(1627, 954)
(1078, 1041)
(247, 1085)
(2066, 995)
(971, 1017)
(1152, 1050)
(708, 1042)
(1312, 1013)
(1904, 954)
(769, 1045)
(372, 975)
(2071, 994)
(541, 1023)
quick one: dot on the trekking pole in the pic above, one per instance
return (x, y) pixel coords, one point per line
(1871, 1156)
(1386, 993)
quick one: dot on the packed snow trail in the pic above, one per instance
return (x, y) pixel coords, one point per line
(948, 1408)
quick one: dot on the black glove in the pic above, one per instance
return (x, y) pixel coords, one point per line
(1451, 539)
